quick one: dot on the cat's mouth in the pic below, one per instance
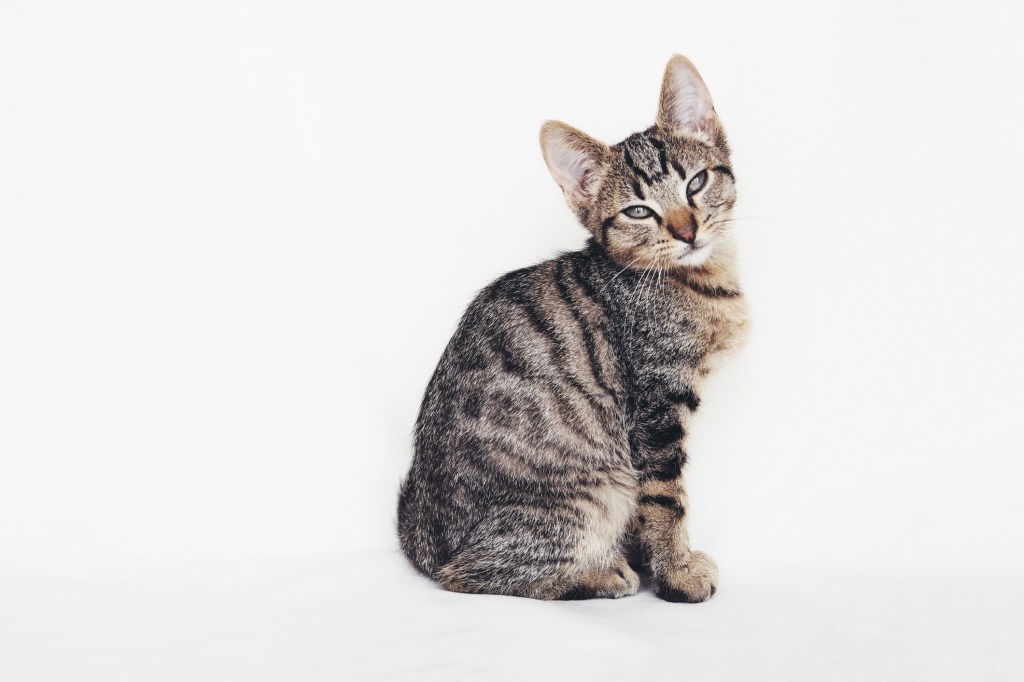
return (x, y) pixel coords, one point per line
(695, 254)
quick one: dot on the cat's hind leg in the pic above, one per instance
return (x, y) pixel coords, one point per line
(616, 580)
(611, 582)
(516, 551)
(540, 553)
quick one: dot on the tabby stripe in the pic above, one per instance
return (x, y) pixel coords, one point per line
(588, 337)
(666, 470)
(658, 415)
(504, 491)
(712, 292)
(633, 165)
(539, 324)
(679, 169)
(574, 488)
(660, 146)
(606, 306)
(527, 461)
(512, 364)
(664, 501)
(578, 593)
(725, 170)
(589, 290)
(638, 190)
(568, 414)
(664, 436)
(442, 548)
(686, 397)
(558, 348)
(608, 222)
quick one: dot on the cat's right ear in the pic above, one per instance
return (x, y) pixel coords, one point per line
(577, 162)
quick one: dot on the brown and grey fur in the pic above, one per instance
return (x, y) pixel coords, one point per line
(551, 443)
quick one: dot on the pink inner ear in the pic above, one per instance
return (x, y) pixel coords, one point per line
(687, 104)
(571, 168)
(586, 181)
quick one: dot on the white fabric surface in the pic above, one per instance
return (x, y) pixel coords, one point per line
(366, 616)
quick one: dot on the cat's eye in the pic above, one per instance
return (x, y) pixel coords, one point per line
(697, 182)
(638, 212)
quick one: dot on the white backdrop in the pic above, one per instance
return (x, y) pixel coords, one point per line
(236, 236)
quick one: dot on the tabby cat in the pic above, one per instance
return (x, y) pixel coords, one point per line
(550, 447)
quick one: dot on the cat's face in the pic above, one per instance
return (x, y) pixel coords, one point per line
(659, 198)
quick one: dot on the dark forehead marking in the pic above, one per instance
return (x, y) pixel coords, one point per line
(660, 146)
(638, 190)
(644, 157)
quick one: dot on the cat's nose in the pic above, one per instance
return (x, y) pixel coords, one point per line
(688, 235)
(682, 225)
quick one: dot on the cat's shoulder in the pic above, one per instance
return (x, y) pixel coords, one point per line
(531, 280)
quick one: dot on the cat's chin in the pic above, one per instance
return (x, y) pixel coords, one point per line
(691, 257)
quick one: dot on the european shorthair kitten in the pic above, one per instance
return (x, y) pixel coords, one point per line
(551, 442)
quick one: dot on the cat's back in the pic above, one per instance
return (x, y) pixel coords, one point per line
(540, 324)
(524, 401)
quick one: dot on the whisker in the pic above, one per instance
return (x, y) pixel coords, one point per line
(608, 283)
(635, 299)
(655, 287)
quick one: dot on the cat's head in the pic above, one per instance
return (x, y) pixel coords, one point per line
(658, 198)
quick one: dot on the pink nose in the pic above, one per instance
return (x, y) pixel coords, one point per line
(681, 224)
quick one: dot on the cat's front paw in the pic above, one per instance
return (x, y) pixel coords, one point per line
(695, 581)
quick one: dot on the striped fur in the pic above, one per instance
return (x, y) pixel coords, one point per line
(551, 441)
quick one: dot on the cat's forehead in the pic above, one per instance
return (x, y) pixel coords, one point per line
(652, 154)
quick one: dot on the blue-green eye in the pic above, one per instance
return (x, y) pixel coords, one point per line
(638, 212)
(697, 182)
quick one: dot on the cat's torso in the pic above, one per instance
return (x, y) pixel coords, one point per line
(539, 393)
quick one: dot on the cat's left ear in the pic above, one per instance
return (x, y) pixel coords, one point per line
(577, 162)
(686, 107)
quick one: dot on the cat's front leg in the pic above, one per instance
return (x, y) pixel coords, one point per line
(679, 573)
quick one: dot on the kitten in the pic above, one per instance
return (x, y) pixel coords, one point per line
(550, 444)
